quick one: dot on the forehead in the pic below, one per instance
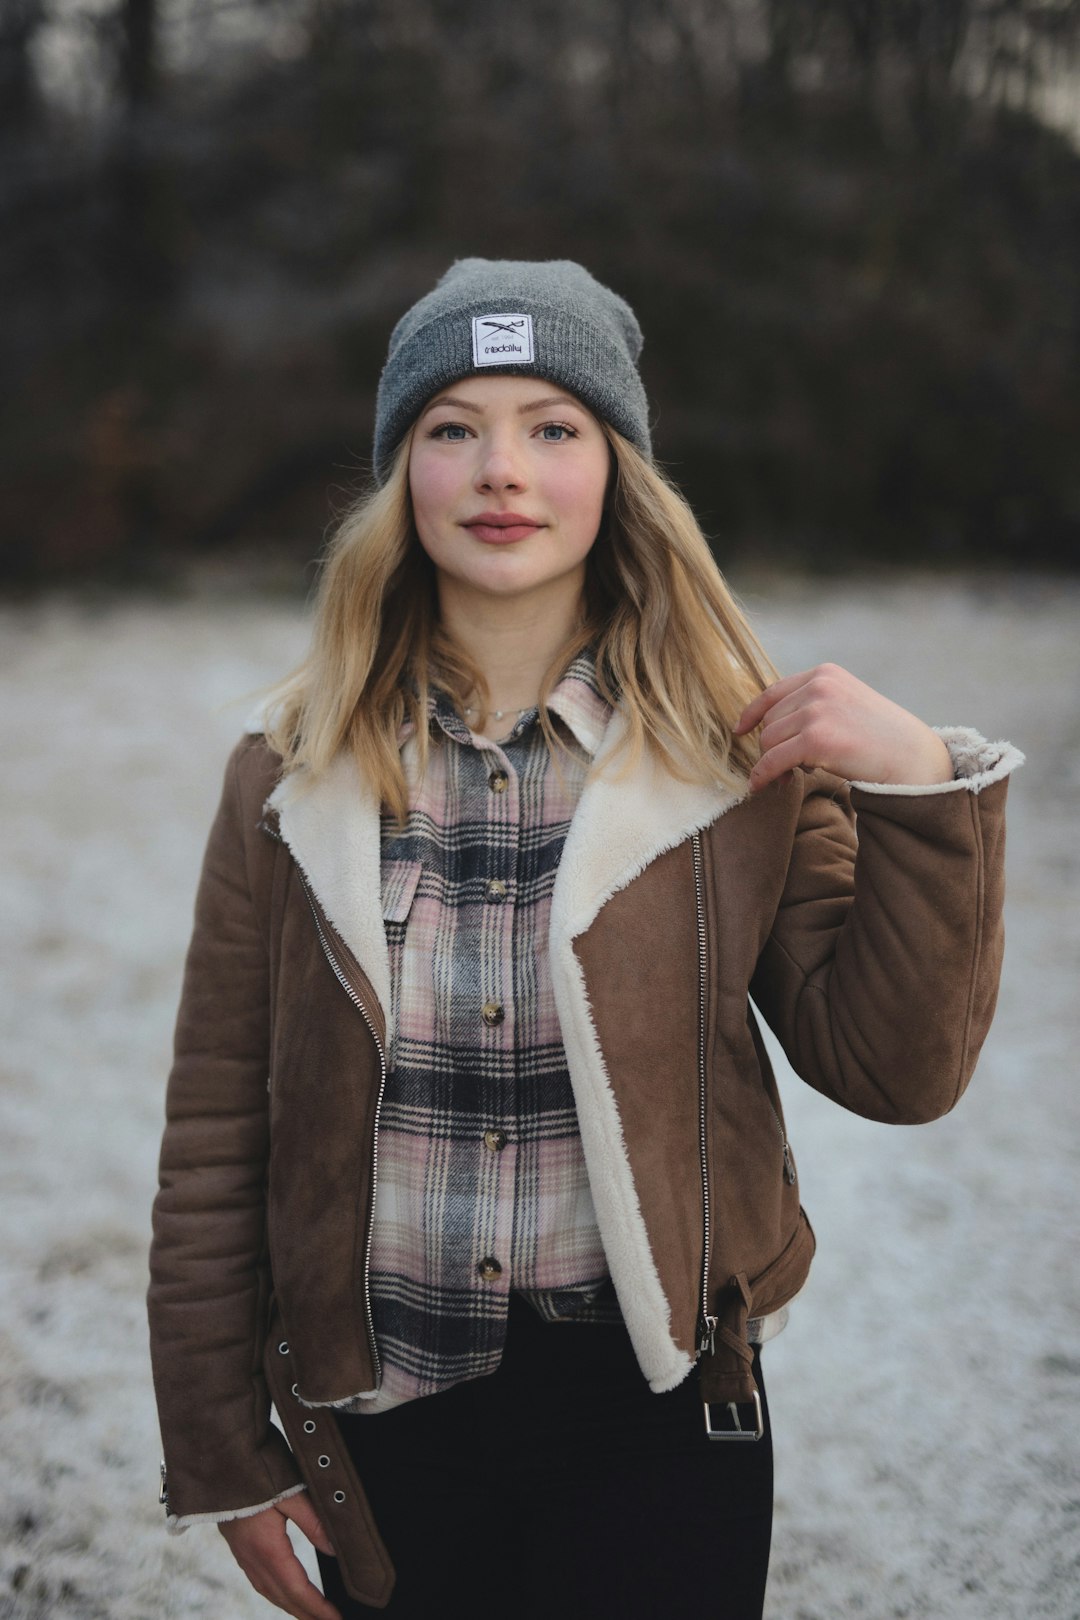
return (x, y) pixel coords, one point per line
(501, 393)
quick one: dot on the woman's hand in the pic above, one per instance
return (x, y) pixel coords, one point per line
(261, 1546)
(827, 717)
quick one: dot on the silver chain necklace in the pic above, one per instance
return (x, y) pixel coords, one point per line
(497, 714)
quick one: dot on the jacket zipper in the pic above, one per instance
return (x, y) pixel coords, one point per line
(789, 1162)
(343, 980)
(707, 1323)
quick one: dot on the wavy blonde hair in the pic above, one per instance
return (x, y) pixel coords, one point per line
(672, 645)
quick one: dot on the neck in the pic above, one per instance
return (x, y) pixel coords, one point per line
(513, 642)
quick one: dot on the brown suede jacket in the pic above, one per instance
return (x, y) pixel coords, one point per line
(874, 959)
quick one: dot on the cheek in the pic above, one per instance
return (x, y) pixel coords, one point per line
(582, 496)
(432, 486)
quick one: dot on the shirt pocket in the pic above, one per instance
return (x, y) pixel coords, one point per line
(398, 880)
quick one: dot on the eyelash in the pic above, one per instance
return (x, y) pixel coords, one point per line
(570, 432)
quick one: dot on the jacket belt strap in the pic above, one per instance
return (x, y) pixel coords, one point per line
(725, 1370)
(332, 1481)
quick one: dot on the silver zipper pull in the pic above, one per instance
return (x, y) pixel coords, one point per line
(789, 1166)
(707, 1341)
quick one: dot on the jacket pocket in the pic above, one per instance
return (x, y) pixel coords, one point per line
(784, 1276)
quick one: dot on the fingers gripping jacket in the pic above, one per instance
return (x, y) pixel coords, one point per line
(332, 1482)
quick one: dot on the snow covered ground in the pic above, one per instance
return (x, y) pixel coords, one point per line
(926, 1396)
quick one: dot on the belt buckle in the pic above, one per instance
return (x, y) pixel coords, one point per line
(735, 1430)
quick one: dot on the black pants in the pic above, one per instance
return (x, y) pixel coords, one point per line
(561, 1488)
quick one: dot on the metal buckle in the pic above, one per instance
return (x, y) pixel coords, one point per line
(163, 1492)
(736, 1431)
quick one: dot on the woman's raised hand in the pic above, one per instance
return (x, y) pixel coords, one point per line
(261, 1546)
(827, 717)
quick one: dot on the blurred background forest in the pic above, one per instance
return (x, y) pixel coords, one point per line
(851, 230)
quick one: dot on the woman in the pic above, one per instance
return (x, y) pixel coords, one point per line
(474, 1161)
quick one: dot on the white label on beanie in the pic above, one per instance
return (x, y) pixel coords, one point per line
(502, 340)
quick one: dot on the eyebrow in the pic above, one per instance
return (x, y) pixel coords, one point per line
(459, 404)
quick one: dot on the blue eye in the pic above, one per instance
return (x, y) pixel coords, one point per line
(551, 429)
(454, 431)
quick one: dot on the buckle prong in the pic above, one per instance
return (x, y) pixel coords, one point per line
(736, 1431)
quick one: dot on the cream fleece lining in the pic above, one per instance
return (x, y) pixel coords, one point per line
(977, 764)
(176, 1526)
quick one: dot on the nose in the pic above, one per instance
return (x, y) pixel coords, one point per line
(499, 465)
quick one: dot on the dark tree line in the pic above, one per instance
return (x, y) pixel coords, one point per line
(849, 226)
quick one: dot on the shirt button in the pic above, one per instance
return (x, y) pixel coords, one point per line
(496, 889)
(495, 1140)
(489, 1269)
(492, 1013)
(498, 781)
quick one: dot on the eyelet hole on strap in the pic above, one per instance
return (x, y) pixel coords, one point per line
(283, 1348)
(309, 1427)
(296, 1391)
(324, 1461)
(339, 1496)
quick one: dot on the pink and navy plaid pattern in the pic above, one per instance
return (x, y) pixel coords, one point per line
(482, 1187)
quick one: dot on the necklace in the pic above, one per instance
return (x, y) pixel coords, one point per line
(497, 714)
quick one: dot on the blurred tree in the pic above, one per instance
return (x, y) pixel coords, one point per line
(137, 55)
(19, 23)
(851, 232)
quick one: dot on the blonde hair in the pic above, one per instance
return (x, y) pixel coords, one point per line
(672, 646)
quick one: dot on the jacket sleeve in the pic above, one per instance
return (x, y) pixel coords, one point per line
(207, 1301)
(880, 973)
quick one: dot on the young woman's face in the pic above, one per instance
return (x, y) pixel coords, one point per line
(507, 477)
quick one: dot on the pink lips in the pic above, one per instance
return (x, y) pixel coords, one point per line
(498, 528)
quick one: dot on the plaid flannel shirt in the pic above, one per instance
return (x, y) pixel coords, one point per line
(482, 1186)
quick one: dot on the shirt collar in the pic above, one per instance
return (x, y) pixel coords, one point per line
(579, 703)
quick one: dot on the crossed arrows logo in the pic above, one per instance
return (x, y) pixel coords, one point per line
(514, 329)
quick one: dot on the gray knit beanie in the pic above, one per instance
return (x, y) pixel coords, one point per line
(546, 319)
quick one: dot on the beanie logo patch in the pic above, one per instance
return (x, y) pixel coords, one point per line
(502, 340)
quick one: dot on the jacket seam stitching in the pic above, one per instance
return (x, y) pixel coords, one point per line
(796, 964)
(260, 1420)
(809, 983)
(976, 947)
